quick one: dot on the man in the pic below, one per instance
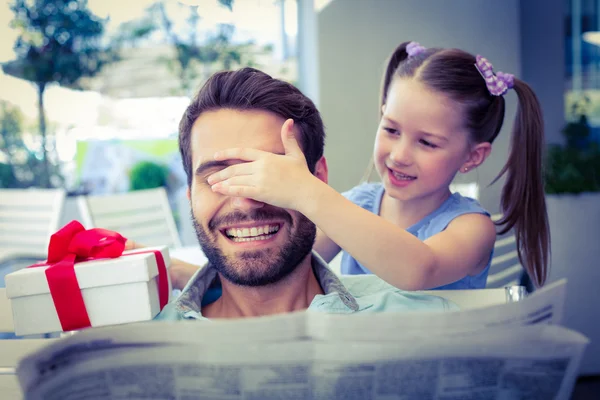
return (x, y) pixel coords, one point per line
(260, 256)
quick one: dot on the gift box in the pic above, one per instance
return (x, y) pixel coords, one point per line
(88, 281)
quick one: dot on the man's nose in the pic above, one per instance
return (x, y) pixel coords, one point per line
(245, 204)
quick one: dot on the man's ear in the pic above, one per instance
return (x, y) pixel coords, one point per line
(321, 170)
(187, 193)
(477, 156)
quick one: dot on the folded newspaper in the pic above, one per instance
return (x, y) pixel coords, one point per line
(510, 351)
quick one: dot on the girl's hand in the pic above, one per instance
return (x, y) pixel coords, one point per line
(181, 272)
(132, 245)
(280, 180)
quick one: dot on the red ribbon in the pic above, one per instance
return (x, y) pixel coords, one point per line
(73, 244)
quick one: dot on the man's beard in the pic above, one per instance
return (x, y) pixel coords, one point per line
(258, 267)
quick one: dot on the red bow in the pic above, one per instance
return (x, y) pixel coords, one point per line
(72, 244)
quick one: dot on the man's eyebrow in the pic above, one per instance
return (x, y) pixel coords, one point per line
(205, 166)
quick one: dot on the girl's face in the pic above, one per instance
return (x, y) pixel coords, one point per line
(421, 142)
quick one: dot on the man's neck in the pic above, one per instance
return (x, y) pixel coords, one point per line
(295, 292)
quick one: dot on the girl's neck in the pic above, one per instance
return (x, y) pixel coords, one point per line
(407, 213)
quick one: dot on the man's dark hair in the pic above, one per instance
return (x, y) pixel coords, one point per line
(251, 89)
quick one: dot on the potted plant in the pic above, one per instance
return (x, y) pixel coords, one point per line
(572, 184)
(148, 175)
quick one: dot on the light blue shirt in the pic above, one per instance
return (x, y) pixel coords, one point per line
(369, 196)
(342, 295)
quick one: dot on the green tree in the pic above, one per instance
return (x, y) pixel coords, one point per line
(192, 60)
(11, 143)
(21, 166)
(574, 167)
(148, 175)
(59, 41)
(228, 54)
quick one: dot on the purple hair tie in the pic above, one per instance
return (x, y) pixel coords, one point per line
(414, 48)
(498, 84)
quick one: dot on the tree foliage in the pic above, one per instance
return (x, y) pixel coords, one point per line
(59, 41)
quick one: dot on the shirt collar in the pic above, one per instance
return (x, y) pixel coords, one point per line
(189, 303)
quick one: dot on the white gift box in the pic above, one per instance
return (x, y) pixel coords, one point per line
(115, 291)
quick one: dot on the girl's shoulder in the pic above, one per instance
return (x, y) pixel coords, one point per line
(459, 203)
(366, 195)
(454, 207)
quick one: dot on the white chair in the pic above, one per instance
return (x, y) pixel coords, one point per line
(27, 219)
(506, 269)
(6, 319)
(144, 216)
(12, 350)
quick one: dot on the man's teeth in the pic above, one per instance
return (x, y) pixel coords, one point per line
(400, 176)
(250, 234)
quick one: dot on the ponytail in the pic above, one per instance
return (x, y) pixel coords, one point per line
(523, 202)
(395, 59)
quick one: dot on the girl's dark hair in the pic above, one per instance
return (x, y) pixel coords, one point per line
(453, 73)
(251, 89)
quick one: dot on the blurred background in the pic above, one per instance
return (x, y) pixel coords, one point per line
(91, 93)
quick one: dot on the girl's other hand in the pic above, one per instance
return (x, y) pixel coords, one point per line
(180, 271)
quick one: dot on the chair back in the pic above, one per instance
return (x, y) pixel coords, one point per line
(506, 269)
(144, 216)
(28, 217)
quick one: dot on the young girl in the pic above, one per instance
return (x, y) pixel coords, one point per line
(441, 111)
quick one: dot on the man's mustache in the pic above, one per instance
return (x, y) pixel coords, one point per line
(260, 214)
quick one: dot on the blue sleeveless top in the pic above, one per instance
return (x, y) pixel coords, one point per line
(369, 195)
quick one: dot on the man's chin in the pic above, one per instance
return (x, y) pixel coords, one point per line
(258, 264)
(253, 268)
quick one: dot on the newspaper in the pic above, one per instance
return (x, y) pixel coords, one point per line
(511, 351)
(545, 306)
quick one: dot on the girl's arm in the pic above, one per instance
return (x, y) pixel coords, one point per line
(180, 272)
(325, 247)
(392, 253)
